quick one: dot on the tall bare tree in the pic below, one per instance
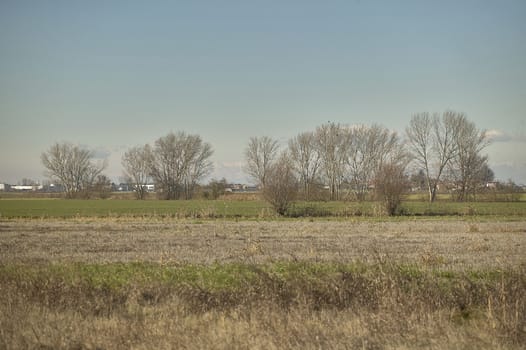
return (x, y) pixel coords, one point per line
(259, 155)
(73, 167)
(305, 158)
(369, 148)
(431, 140)
(178, 162)
(468, 164)
(136, 163)
(332, 141)
(200, 165)
(418, 135)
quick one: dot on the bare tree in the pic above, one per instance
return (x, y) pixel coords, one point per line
(369, 148)
(391, 183)
(468, 164)
(200, 165)
(486, 174)
(102, 187)
(281, 186)
(27, 182)
(418, 180)
(259, 155)
(418, 135)
(332, 141)
(215, 188)
(136, 163)
(431, 140)
(73, 167)
(178, 162)
(305, 158)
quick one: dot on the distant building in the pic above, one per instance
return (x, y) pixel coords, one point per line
(251, 188)
(27, 188)
(123, 187)
(147, 187)
(54, 188)
(240, 188)
(2, 187)
(492, 185)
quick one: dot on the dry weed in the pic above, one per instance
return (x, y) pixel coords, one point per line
(423, 284)
(399, 308)
(205, 242)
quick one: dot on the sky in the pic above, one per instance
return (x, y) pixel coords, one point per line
(109, 75)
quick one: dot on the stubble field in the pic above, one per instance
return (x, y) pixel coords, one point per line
(103, 283)
(452, 244)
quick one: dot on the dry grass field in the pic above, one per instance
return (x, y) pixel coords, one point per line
(106, 283)
(452, 244)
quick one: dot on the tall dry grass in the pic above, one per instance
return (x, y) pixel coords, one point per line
(307, 306)
(119, 284)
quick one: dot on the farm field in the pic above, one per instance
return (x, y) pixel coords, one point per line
(158, 282)
(453, 244)
(243, 209)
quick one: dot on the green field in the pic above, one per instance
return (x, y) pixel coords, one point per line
(59, 208)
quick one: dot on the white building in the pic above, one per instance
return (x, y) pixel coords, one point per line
(27, 187)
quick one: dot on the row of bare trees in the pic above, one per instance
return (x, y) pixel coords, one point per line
(340, 159)
(448, 145)
(351, 160)
(175, 163)
(74, 168)
(333, 155)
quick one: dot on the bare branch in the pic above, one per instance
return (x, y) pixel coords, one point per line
(282, 186)
(72, 166)
(306, 160)
(259, 155)
(136, 163)
(178, 162)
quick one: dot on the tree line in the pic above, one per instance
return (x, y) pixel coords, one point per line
(175, 163)
(351, 160)
(340, 160)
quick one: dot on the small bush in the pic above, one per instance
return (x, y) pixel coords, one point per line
(281, 187)
(391, 183)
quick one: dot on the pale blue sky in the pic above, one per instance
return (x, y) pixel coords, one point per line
(114, 74)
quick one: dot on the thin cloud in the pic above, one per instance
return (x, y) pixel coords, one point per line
(232, 164)
(496, 135)
(232, 171)
(101, 153)
(510, 170)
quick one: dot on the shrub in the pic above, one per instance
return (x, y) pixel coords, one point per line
(281, 187)
(391, 182)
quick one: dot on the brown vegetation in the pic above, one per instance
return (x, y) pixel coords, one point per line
(388, 310)
(457, 243)
(299, 284)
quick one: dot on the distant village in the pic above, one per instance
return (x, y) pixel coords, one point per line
(121, 187)
(31, 186)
